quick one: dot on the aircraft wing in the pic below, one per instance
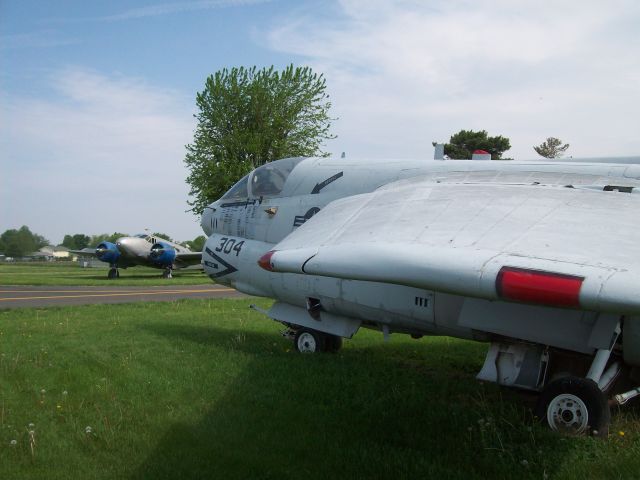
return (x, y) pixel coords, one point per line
(85, 252)
(185, 259)
(550, 245)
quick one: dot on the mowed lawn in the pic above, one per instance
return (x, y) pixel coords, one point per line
(72, 273)
(208, 389)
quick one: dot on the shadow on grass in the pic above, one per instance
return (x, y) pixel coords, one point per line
(380, 411)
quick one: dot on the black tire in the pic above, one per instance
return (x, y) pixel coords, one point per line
(113, 273)
(307, 340)
(333, 343)
(574, 406)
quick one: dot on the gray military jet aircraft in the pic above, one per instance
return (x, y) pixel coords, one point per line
(143, 249)
(541, 259)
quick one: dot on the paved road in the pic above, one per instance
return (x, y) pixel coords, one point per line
(32, 296)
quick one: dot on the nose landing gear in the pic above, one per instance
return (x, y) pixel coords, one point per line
(307, 340)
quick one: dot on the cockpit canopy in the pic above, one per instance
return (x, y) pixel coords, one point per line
(265, 181)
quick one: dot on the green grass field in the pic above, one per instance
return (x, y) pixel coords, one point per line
(71, 273)
(208, 389)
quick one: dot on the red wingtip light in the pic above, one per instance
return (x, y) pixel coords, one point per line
(535, 286)
(265, 260)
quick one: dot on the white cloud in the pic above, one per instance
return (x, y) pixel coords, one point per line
(402, 74)
(104, 153)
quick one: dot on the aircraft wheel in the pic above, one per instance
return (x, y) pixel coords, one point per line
(574, 406)
(113, 273)
(333, 343)
(167, 273)
(309, 341)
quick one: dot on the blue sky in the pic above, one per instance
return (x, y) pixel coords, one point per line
(97, 98)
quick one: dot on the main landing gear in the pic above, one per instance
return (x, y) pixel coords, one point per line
(113, 273)
(580, 405)
(575, 406)
(167, 273)
(307, 340)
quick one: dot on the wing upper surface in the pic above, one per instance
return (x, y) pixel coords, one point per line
(188, 258)
(456, 238)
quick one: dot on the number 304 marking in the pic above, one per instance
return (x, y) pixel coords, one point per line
(228, 245)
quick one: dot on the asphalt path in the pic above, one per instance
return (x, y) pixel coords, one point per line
(48, 296)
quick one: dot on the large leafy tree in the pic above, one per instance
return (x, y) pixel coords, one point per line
(17, 243)
(462, 144)
(76, 242)
(248, 117)
(551, 148)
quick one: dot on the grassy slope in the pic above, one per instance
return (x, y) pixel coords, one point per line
(208, 389)
(70, 273)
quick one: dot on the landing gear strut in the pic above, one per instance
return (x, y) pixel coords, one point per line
(113, 273)
(167, 273)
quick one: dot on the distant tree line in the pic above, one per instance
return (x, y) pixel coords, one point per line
(21, 242)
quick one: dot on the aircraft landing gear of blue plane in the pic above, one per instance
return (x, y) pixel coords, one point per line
(113, 273)
(167, 273)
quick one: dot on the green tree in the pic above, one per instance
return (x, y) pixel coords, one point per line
(462, 144)
(197, 244)
(68, 242)
(248, 117)
(105, 237)
(551, 148)
(76, 242)
(162, 235)
(18, 243)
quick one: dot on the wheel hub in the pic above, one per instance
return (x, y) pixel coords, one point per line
(568, 413)
(306, 343)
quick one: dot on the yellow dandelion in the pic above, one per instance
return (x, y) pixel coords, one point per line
(621, 433)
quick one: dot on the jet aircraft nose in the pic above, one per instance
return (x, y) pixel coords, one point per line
(206, 221)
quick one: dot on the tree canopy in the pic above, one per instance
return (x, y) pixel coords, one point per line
(551, 148)
(163, 236)
(21, 242)
(105, 237)
(248, 117)
(77, 241)
(462, 144)
(197, 244)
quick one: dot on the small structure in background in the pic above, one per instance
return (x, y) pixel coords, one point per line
(481, 155)
(438, 152)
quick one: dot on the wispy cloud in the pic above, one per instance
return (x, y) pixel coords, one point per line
(105, 149)
(405, 73)
(41, 39)
(179, 7)
(164, 9)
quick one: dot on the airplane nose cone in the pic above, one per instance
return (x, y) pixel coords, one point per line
(206, 221)
(123, 242)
